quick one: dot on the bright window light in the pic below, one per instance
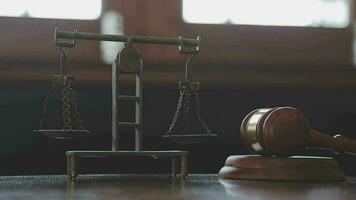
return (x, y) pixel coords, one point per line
(57, 9)
(12, 8)
(112, 22)
(313, 13)
(65, 9)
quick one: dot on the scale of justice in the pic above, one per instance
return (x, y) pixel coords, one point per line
(128, 61)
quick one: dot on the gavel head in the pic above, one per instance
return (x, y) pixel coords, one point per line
(274, 131)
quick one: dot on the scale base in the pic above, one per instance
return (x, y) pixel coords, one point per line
(295, 168)
(179, 159)
(63, 133)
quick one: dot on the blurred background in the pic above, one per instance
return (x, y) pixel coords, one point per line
(253, 54)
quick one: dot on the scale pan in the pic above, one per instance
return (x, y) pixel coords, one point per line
(188, 135)
(63, 133)
(188, 138)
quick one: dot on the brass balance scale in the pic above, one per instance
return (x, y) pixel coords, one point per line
(128, 62)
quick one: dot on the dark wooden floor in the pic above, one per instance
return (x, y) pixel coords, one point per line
(164, 187)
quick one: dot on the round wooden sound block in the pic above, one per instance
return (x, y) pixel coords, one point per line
(295, 168)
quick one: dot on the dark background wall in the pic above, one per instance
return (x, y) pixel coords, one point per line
(240, 67)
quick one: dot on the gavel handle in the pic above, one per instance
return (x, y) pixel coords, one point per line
(338, 143)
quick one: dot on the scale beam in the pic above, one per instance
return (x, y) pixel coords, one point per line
(74, 35)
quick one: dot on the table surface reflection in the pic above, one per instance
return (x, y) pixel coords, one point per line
(198, 186)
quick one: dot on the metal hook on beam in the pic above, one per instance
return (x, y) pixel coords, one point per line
(189, 52)
(63, 60)
(64, 46)
(60, 42)
(128, 41)
(185, 49)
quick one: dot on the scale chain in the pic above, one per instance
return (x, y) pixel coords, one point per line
(45, 105)
(74, 105)
(186, 109)
(178, 110)
(66, 108)
(184, 102)
(200, 118)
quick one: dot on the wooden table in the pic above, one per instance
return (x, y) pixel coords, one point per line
(147, 187)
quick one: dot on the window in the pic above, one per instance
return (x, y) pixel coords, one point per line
(311, 13)
(58, 9)
(112, 22)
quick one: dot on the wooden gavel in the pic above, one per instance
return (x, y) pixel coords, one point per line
(282, 130)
